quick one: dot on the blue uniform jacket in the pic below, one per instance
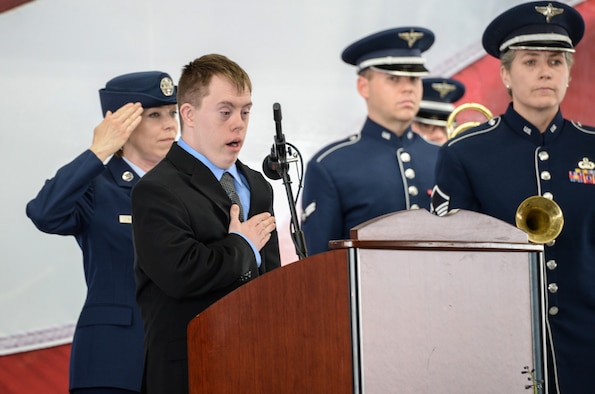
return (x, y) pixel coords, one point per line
(492, 169)
(362, 177)
(86, 199)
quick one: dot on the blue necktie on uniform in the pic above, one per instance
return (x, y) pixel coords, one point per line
(227, 183)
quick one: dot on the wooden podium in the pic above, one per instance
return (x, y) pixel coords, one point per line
(412, 303)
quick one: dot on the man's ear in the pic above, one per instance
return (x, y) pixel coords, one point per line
(187, 114)
(363, 86)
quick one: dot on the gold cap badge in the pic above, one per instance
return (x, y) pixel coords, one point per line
(443, 88)
(411, 36)
(549, 12)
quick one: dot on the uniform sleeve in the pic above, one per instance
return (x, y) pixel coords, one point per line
(322, 217)
(65, 203)
(453, 189)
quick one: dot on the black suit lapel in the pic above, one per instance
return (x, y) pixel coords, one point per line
(259, 195)
(200, 177)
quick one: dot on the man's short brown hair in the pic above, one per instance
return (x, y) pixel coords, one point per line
(197, 75)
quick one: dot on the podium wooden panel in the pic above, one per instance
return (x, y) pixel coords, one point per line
(412, 303)
(286, 332)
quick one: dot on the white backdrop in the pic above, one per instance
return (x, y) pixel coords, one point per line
(55, 55)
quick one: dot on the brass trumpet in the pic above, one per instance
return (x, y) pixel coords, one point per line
(541, 218)
(453, 131)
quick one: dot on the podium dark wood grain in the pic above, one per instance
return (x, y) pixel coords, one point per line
(285, 332)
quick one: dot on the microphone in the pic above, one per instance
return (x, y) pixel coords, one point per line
(270, 165)
(274, 164)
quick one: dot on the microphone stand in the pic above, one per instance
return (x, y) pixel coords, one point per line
(297, 234)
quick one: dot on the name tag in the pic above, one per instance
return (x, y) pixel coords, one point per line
(126, 219)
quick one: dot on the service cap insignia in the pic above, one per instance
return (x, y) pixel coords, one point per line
(411, 36)
(167, 86)
(549, 12)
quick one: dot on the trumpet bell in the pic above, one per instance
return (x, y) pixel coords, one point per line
(541, 218)
(453, 131)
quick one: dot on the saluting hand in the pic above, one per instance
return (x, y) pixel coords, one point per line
(257, 229)
(113, 131)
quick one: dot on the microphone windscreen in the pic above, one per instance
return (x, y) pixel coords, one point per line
(267, 168)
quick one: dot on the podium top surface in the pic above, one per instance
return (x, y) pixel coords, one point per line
(420, 227)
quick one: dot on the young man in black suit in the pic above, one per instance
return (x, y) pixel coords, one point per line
(192, 244)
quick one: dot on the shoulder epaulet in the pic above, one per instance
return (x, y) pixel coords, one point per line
(584, 129)
(352, 139)
(483, 128)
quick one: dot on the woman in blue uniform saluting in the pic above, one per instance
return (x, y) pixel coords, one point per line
(90, 200)
(532, 150)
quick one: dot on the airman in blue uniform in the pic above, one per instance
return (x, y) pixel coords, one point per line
(90, 200)
(436, 106)
(531, 150)
(386, 167)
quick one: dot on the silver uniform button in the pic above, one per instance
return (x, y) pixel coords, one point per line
(548, 195)
(127, 176)
(551, 265)
(551, 243)
(412, 190)
(405, 157)
(414, 206)
(543, 156)
(410, 173)
(546, 176)
(553, 310)
(552, 288)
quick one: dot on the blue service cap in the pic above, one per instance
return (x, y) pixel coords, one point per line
(395, 51)
(538, 25)
(150, 88)
(438, 98)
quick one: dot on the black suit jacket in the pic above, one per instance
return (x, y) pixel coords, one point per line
(185, 257)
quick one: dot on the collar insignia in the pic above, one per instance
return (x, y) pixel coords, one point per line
(549, 12)
(127, 176)
(443, 88)
(411, 36)
(586, 164)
